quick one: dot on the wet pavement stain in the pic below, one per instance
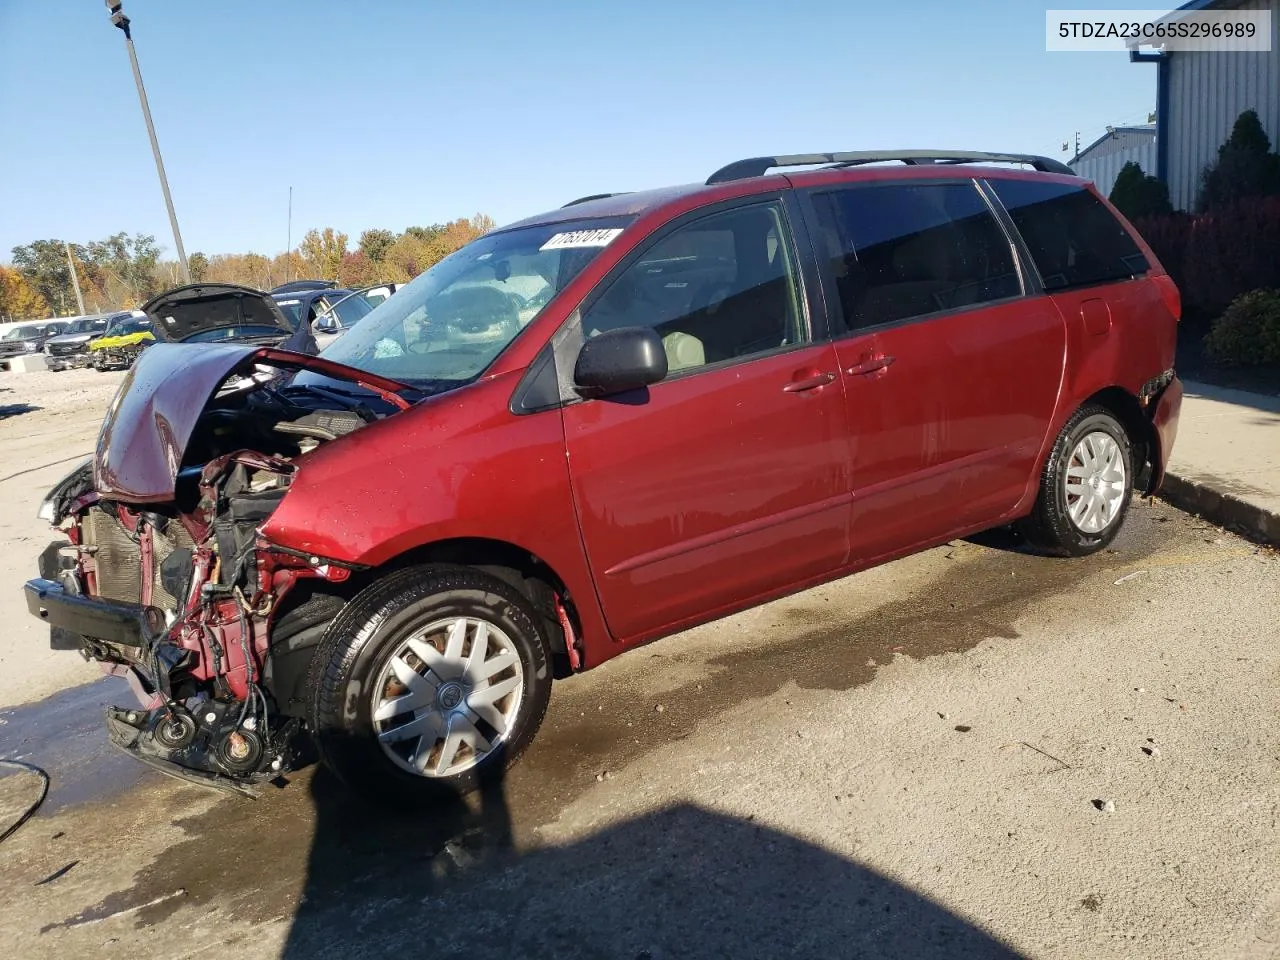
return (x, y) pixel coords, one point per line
(66, 736)
(314, 844)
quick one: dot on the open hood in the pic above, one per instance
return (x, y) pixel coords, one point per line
(200, 308)
(151, 419)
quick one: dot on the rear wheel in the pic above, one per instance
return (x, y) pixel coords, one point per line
(1085, 488)
(429, 683)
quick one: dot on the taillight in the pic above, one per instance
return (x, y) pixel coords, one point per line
(1170, 295)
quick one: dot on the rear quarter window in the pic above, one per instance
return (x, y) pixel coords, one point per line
(1073, 238)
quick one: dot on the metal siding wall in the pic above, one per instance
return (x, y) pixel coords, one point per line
(1207, 91)
(1104, 170)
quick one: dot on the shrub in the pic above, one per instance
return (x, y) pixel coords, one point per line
(1248, 333)
(1230, 252)
(1167, 237)
(1137, 195)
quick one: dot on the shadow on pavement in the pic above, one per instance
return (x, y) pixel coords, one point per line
(16, 409)
(683, 882)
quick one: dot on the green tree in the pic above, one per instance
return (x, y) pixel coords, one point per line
(424, 234)
(129, 266)
(1245, 167)
(44, 265)
(1137, 195)
(375, 243)
(198, 266)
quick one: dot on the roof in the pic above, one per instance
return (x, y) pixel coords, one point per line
(611, 205)
(728, 181)
(1144, 131)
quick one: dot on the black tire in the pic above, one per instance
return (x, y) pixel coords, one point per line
(1049, 527)
(370, 630)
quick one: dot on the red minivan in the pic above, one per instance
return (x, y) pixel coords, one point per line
(590, 429)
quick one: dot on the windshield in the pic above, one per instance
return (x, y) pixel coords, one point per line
(454, 319)
(130, 327)
(21, 333)
(86, 326)
(291, 308)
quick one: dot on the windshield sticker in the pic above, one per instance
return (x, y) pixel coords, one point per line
(582, 238)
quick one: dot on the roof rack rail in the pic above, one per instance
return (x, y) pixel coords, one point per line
(593, 196)
(759, 166)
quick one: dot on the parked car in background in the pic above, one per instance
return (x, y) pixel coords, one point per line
(201, 313)
(380, 292)
(26, 338)
(301, 301)
(121, 343)
(339, 316)
(70, 349)
(225, 313)
(731, 391)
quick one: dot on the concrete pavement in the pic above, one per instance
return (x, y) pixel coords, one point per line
(1226, 460)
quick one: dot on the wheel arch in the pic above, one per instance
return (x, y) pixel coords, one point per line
(299, 626)
(545, 589)
(1142, 437)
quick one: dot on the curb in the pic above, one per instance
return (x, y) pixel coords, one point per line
(1223, 509)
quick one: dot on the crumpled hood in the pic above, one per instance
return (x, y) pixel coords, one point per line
(72, 338)
(153, 415)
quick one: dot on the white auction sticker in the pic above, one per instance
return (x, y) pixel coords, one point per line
(582, 238)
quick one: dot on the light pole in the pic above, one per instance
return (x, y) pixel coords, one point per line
(119, 20)
(75, 278)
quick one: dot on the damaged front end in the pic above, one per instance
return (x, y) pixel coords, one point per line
(164, 577)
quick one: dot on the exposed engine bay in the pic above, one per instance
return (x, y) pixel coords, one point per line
(192, 585)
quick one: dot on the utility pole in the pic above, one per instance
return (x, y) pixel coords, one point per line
(75, 277)
(119, 20)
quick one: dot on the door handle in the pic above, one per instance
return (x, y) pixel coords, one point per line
(869, 366)
(809, 383)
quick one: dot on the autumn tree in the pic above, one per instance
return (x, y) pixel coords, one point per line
(19, 300)
(322, 251)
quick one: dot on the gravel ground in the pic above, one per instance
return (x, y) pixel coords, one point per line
(972, 752)
(917, 762)
(48, 423)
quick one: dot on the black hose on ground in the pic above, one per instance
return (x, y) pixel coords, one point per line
(44, 792)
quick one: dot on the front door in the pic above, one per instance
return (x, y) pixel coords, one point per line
(727, 481)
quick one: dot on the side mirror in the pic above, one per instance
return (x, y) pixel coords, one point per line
(620, 360)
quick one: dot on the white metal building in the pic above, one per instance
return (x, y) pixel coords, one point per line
(1200, 95)
(1103, 159)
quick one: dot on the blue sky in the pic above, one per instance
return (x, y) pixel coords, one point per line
(389, 113)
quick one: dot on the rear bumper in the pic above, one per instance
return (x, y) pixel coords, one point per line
(125, 624)
(1164, 423)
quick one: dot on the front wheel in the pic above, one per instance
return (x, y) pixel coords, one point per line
(1085, 488)
(429, 683)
